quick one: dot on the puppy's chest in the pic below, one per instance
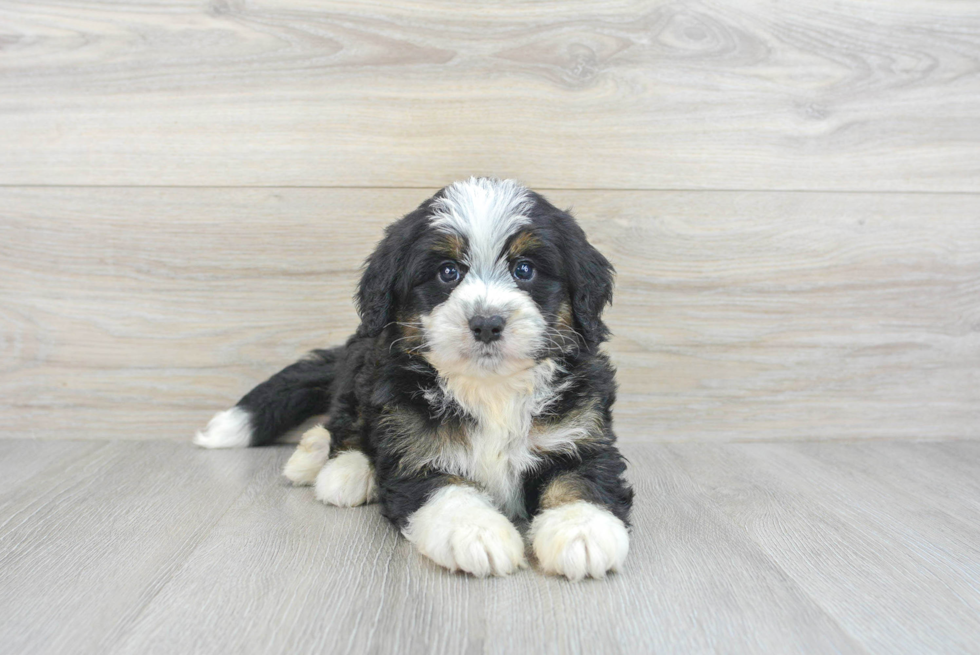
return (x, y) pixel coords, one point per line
(497, 459)
(505, 437)
(504, 442)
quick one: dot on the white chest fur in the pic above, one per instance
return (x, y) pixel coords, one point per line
(502, 444)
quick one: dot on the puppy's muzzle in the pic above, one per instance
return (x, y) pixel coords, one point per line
(487, 328)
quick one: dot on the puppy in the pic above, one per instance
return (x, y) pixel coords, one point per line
(473, 393)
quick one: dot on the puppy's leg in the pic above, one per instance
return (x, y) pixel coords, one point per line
(347, 480)
(310, 456)
(579, 539)
(459, 528)
(575, 532)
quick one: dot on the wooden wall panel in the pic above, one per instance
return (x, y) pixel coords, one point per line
(857, 95)
(135, 313)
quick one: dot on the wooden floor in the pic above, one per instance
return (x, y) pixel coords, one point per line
(157, 547)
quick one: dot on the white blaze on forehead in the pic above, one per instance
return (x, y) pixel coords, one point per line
(487, 212)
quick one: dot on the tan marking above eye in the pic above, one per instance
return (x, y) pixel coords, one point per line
(523, 243)
(452, 246)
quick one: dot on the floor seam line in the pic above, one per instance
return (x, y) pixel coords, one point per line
(434, 187)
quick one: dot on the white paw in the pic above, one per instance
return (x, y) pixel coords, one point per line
(578, 540)
(231, 428)
(310, 456)
(460, 529)
(347, 480)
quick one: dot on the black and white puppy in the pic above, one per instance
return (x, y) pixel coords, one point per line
(473, 394)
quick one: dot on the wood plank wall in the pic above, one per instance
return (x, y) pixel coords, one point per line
(790, 192)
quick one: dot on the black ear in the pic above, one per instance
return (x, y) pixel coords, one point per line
(377, 293)
(590, 277)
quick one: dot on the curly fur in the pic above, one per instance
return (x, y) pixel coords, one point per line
(457, 434)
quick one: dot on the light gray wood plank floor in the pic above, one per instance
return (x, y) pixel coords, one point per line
(155, 547)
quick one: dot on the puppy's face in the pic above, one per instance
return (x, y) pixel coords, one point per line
(484, 279)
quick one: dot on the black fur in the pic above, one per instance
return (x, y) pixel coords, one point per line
(291, 396)
(588, 273)
(375, 374)
(385, 272)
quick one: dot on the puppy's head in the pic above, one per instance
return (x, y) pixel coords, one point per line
(484, 278)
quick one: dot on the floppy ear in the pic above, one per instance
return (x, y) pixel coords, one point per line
(590, 277)
(377, 295)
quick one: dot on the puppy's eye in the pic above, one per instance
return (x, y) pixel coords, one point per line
(448, 272)
(523, 270)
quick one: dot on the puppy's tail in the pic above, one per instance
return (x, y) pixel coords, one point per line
(279, 404)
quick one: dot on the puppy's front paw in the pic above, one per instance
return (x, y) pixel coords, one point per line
(578, 540)
(458, 528)
(309, 457)
(347, 480)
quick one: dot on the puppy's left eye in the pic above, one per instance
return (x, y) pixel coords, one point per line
(524, 270)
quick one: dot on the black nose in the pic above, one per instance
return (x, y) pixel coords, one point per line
(487, 328)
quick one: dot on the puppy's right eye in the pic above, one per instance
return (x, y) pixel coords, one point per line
(448, 272)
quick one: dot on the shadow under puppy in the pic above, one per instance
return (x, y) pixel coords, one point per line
(472, 394)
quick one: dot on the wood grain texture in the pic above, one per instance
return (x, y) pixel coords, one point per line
(736, 548)
(137, 313)
(877, 553)
(22, 459)
(85, 546)
(281, 573)
(627, 94)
